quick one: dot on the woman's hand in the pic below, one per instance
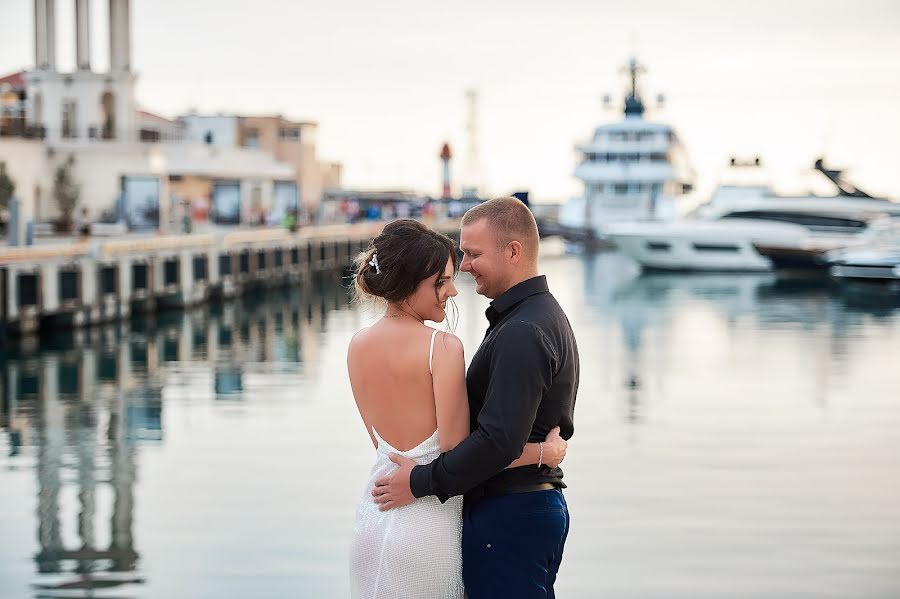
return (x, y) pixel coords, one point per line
(554, 448)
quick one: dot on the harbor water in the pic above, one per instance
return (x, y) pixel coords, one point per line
(735, 436)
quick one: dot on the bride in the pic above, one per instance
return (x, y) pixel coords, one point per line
(409, 384)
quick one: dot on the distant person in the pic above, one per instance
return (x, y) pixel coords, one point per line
(419, 406)
(428, 211)
(289, 221)
(83, 223)
(186, 222)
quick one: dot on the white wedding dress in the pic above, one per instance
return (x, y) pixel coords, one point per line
(411, 552)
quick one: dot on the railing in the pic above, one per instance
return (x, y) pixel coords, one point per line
(19, 128)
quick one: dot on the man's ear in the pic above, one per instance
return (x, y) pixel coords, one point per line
(514, 250)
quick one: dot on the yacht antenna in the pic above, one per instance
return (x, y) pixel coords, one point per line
(633, 104)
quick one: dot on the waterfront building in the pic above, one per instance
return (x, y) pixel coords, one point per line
(135, 167)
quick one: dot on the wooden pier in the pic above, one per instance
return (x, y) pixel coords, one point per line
(95, 281)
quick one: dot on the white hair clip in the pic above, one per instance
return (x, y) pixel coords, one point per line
(374, 262)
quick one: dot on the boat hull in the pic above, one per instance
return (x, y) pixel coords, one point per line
(797, 257)
(701, 246)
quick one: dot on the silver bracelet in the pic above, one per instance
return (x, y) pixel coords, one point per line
(541, 455)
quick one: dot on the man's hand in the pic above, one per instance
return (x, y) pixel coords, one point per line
(554, 448)
(393, 490)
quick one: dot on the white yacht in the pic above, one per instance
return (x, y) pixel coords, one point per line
(632, 170)
(721, 234)
(876, 263)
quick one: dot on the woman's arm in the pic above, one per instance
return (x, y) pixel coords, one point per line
(551, 454)
(448, 372)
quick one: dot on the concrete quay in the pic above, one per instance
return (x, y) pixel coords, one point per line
(96, 281)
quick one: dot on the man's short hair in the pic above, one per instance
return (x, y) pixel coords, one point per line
(510, 219)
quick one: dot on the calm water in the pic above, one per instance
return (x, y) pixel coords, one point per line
(735, 437)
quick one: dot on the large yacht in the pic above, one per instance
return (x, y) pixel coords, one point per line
(632, 170)
(721, 235)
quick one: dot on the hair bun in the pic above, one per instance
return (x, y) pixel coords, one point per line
(406, 253)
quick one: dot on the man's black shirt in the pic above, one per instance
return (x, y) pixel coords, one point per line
(521, 383)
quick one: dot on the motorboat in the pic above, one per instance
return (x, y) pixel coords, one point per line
(810, 253)
(722, 235)
(876, 265)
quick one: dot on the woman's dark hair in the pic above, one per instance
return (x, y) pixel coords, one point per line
(407, 253)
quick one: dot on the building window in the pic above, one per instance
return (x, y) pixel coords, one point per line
(290, 133)
(227, 202)
(68, 119)
(284, 201)
(251, 138)
(107, 110)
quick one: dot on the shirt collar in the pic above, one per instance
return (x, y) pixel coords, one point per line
(519, 292)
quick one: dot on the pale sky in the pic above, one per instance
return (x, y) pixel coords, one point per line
(789, 80)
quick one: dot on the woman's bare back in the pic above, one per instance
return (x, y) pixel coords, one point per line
(391, 380)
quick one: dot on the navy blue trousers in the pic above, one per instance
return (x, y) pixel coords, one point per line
(513, 544)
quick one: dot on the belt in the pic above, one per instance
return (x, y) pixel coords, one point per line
(519, 489)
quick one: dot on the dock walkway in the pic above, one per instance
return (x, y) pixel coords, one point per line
(93, 281)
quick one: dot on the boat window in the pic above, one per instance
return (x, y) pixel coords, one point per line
(658, 246)
(815, 222)
(716, 247)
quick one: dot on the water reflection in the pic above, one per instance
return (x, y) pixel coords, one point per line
(729, 428)
(83, 403)
(658, 316)
(80, 438)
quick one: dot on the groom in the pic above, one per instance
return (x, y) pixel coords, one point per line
(521, 383)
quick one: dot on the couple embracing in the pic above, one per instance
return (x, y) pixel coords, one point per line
(465, 496)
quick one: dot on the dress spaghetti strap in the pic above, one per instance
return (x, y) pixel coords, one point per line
(431, 351)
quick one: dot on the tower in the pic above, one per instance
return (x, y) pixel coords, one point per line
(472, 178)
(83, 104)
(445, 156)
